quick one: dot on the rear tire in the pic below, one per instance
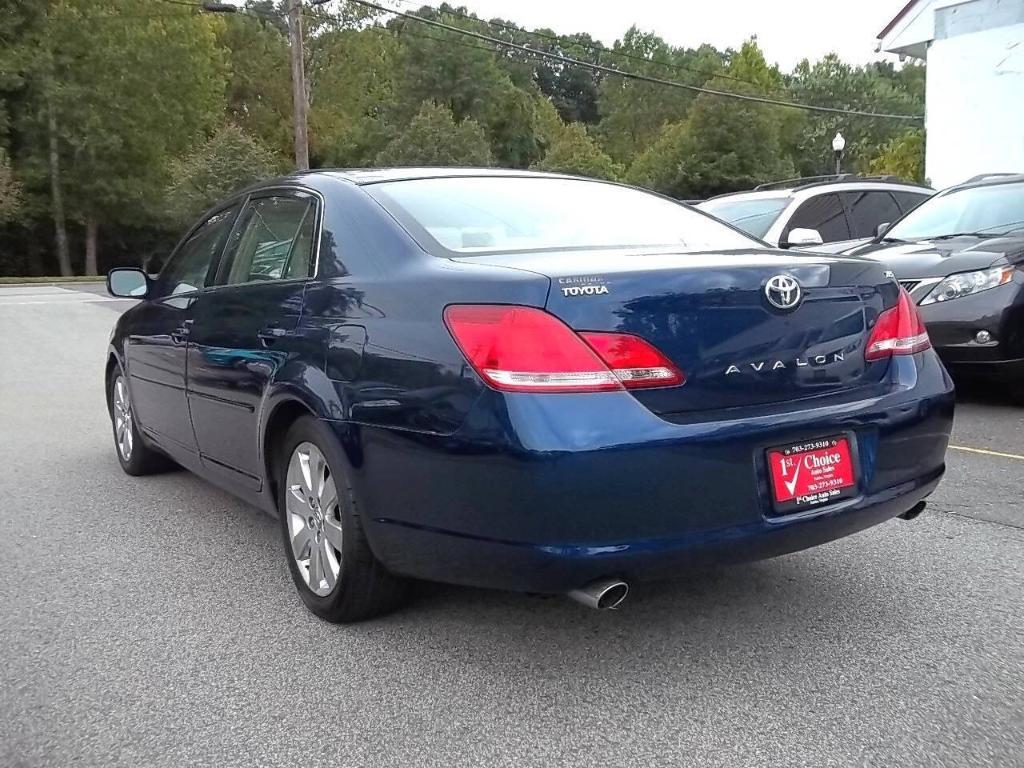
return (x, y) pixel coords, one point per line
(135, 457)
(335, 572)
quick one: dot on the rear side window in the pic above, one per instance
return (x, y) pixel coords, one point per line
(272, 241)
(909, 201)
(188, 268)
(869, 209)
(823, 213)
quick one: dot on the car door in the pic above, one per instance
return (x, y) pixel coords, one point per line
(867, 209)
(155, 347)
(243, 327)
(823, 213)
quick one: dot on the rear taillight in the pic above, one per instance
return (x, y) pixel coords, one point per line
(899, 331)
(633, 361)
(525, 349)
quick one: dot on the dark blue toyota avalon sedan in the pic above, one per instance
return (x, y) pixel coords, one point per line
(524, 381)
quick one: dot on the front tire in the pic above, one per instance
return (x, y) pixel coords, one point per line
(135, 457)
(334, 570)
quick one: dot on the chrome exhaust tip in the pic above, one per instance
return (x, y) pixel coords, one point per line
(602, 595)
(914, 511)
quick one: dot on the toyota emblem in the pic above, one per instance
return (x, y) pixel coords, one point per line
(783, 292)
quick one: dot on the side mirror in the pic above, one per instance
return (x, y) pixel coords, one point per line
(127, 283)
(801, 237)
(882, 228)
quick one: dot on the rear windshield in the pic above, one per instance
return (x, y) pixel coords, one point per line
(988, 210)
(753, 215)
(476, 215)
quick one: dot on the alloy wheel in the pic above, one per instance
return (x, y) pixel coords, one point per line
(314, 518)
(123, 420)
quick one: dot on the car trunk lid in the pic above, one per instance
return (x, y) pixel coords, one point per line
(709, 314)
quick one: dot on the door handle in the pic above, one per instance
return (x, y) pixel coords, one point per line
(272, 333)
(180, 334)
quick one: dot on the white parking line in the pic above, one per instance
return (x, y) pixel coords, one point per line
(93, 300)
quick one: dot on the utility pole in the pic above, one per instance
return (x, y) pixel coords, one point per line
(299, 105)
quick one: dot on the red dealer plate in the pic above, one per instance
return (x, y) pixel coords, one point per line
(811, 473)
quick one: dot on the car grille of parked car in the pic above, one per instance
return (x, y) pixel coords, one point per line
(910, 285)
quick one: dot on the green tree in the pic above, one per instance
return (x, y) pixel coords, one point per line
(352, 75)
(634, 112)
(662, 166)
(434, 138)
(259, 89)
(834, 83)
(568, 148)
(10, 189)
(110, 100)
(724, 144)
(902, 156)
(446, 68)
(226, 162)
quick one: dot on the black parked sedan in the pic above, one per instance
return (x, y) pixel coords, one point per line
(961, 257)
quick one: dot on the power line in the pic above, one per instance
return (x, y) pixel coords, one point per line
(636, 76)
(600, 67)
(596, 47)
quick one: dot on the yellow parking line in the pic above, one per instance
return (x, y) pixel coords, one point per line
(987, 453)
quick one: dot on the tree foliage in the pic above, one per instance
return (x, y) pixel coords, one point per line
(122, 118)
(433, 137)
(902, 156)
(569, 148)
(10, 189)
(224, 163)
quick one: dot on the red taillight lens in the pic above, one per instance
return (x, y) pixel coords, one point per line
(524, 349)
(899, 331)
(633, 361)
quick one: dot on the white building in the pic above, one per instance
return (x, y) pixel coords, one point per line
(974, 114)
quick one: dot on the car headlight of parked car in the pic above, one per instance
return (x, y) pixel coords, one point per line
(966, 283)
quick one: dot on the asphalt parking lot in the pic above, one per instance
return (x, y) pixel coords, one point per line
(152, 622)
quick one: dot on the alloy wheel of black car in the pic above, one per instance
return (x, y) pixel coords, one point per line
(135, 457)
(335, 572)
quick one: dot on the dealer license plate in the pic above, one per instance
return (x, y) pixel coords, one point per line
(811, 473)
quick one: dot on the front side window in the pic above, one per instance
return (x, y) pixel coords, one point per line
(475, 215)
(273, 241)
(869, 209)
(988, 210)
(188, 269)
(754, 216)
(823, 213)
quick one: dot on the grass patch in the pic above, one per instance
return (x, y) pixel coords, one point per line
(74, 279)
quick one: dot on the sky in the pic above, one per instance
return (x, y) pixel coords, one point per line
(787, 30)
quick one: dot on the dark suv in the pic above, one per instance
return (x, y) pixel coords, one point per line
(823, 213)
(961, 258)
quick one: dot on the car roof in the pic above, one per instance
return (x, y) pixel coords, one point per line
(990, 180)
(362, 176)
(807, 190)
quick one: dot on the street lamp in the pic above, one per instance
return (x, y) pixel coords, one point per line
(838, 145)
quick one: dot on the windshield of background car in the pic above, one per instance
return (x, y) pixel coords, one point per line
(477, 215)
(991, 209)
(753, 215)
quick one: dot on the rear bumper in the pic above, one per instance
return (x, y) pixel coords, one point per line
(554, 567)
(546, 493)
